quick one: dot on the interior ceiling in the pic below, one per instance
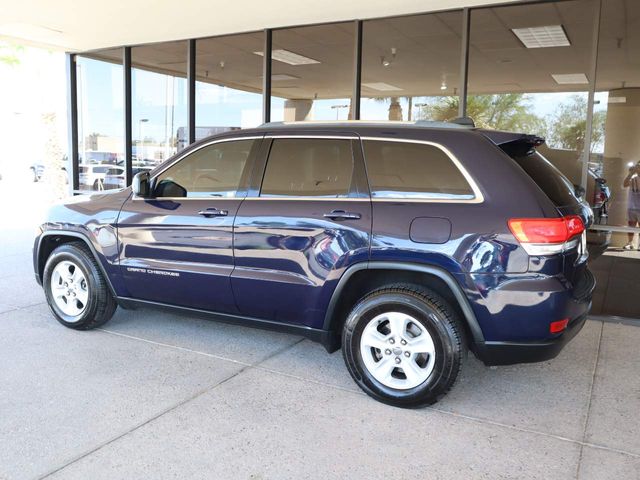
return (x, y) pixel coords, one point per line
(97, 24)
(427, 58)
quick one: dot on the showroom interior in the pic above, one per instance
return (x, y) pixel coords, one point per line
(564, 70)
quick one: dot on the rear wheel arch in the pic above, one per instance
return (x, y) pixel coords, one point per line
(363, 278)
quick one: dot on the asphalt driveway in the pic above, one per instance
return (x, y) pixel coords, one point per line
(156, 395)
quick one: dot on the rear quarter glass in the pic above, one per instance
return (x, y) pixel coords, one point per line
(553, 183)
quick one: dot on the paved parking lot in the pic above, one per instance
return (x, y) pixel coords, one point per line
(156, 395)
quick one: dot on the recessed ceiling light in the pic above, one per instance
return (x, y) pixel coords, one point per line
(542, 37)
(383, 87)
(570, 78)
(291, 58)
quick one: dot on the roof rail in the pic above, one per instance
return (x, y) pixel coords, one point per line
(462, 122)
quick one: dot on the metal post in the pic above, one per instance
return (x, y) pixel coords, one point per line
(266, 76)
(464, 63)
(191, 91)
(592, 90)
(357, 70)
(128, 135)
(72, 121)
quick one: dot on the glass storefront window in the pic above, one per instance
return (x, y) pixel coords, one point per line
(158, 104)
(410, 67)
(229, 83)
(100, 118)
(529, 72)
(312, 73)
(616, 116)
(615, 157)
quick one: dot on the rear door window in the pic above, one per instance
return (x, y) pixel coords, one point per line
(308, 167)
(413, 170)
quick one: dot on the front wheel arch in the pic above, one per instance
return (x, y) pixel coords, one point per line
(49, 241)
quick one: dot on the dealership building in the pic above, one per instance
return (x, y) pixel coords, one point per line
(146, 80)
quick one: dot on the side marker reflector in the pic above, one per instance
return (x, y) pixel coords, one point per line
(558, 326)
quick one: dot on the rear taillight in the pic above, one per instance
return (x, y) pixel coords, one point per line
(547, 236)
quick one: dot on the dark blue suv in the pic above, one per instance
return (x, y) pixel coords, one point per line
(403, 244)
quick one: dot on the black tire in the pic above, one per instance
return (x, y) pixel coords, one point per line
(435, 315)
(100, 304)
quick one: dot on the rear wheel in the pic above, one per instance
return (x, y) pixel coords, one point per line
(404, 345)
(76, 290)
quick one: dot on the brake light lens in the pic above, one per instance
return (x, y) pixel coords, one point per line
(546, 236)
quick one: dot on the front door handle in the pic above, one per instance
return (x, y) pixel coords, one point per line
(342, 215)
(213, 212)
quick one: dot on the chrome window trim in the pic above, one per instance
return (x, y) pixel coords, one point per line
(316, 199)
(176, 199)
(307, 136)
(477, 193)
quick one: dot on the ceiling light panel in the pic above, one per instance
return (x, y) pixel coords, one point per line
(285, 56)
(542, 37)
(381, 86)
(570, 78)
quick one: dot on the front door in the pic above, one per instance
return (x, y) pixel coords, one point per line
(294, 237)
(177, 247)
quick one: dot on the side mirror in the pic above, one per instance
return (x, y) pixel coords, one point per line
(579, 190)
(141, 184)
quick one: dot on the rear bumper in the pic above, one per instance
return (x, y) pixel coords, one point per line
(573, 303)
(508, 353)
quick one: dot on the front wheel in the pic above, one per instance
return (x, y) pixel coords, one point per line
(76, 290)
(403, 345)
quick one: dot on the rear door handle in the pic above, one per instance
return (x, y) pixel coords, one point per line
(213, 212)
(342, 215)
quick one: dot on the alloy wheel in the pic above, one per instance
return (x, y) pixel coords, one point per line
(397, 350)
(69, 288)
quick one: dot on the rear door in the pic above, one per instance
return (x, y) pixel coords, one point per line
(308, 219)
(177, 247)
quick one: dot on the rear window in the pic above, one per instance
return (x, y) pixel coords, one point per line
(551, 180)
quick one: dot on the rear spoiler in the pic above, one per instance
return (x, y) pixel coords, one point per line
(514, 144)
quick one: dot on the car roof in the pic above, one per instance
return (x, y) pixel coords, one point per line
(359, 127)
(369, 128)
